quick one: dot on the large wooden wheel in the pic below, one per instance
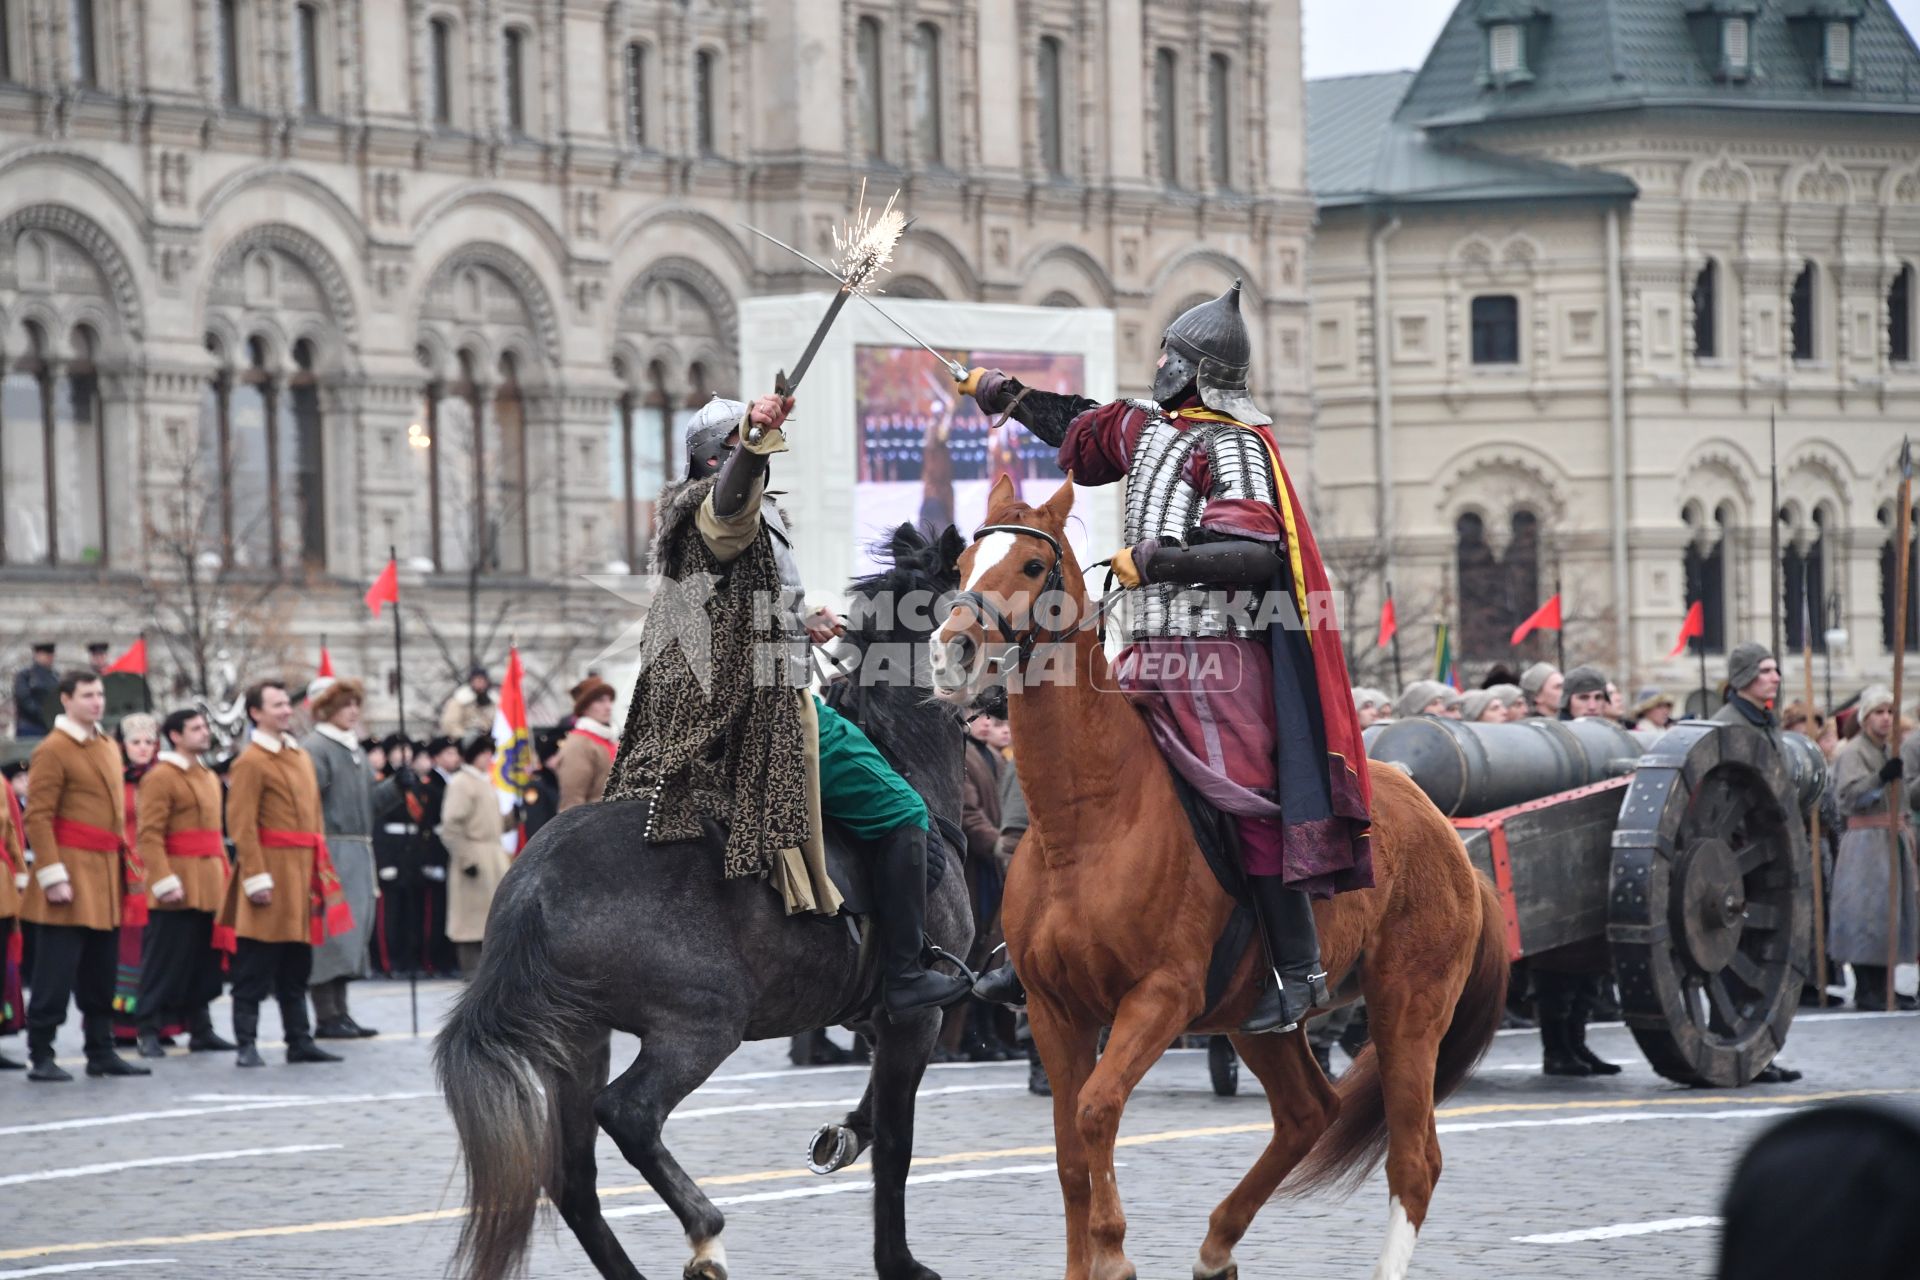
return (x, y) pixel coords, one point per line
(1708, 913)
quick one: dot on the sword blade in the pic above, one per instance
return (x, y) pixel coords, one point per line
(819, 336)
(955, 369)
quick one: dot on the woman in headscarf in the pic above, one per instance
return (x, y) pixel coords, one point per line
(139, 736)
(1873, 792)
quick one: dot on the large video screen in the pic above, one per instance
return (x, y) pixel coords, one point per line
(926, 456)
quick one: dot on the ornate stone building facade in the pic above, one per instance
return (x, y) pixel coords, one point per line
(285, 283)
(1567, 273)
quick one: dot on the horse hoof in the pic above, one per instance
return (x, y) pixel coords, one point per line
(705, 1269)
(834, 1147)
(910, 1270)
(1230, 1271)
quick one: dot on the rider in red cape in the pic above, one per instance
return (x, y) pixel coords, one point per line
(1253, 708)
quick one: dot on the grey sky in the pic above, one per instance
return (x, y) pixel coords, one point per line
(1345, 37)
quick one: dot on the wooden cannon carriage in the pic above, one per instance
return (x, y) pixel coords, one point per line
(1678, 860)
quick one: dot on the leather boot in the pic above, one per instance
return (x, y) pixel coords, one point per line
(900, 875)
(202, 1038)
(300, 1045)
(1557, 1057)
(1001, 986)
(147, 1043)
(346, 1014)
(1293, 951)
(1037, 1083)
(246, 1029)
(40, 1052)
(1577, 1042)
(102, 1058)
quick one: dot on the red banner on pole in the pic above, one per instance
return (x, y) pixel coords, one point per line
(385, 588)
(1545, 618)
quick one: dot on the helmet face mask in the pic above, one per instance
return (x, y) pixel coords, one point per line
(712, 436)
(1173, 381)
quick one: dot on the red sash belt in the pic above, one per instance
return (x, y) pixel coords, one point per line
(611, 748)
(84, 835)
(1876, 822)
(195, 844)
(329, 911)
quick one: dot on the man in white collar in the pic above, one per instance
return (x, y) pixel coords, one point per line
(76, 827)
(586, 754)
(184, 852)
(284, 897)
(349, 797)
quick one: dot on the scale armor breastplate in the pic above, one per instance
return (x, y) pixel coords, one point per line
(1163, 503)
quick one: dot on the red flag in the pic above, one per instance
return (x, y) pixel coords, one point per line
(326, 660)
(1545, 618)
(134, 660)
(1694, 627)
(1389, 624)
(385, 588)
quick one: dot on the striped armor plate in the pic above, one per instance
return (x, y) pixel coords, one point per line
(1162, 503)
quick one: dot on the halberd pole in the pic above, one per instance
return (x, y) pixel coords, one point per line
(1897, 790)
(1819, 864)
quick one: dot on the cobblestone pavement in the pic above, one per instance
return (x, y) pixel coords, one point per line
(333, 1171)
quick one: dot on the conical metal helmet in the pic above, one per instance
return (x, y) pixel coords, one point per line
(707, 432)
(1210, 344)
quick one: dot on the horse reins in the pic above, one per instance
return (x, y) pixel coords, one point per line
(994, 620)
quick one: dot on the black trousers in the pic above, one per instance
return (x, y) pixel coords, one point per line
(179, 969)
(279, 969)
(70, 963)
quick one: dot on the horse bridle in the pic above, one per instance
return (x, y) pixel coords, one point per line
(991, 617)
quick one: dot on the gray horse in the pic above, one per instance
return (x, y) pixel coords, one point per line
(592, 930)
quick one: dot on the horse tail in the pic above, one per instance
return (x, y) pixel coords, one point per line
(1356, 1142)
(497, 1059)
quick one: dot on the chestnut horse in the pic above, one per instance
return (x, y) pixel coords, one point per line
(1111, 915)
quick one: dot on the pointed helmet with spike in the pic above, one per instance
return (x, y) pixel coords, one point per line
(1209, 346)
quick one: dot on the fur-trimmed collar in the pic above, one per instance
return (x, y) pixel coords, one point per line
(594, 727)
(178, 761)
(71, 727)
(272, 742)
(678, 503)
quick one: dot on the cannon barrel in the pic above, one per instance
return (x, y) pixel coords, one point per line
(1468, 769)
(1806, 768)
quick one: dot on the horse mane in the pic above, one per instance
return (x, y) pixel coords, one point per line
(912, 563)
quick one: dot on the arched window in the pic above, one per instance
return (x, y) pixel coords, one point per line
(302, 436)
(705, 108)
(1053, 149)
(927, 139)
(1483, 604)
(259, 474)
(1890, 573)
(636, 96)
(1166, 115)
(1220, 120)
(506, 467)
(227, 51)
(1803, 578)
(83, 41)
(53, 418)
(868, 88)
(1805, 304)
(78, 452)
(1705, 567)
(7, 72)
(1900, 315)
(514, 80)
(1706, 305)
(448, 447)
(306, 57)
(440, 70)
(26, 454)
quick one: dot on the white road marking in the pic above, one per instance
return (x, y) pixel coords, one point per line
(734, 1109)
(1619, 1229)
(180, 1113)
(68, 1268)
(1396, 1252)
(119, 1166)
(1799, 1024)
(801, 1073)
(841, 1188)
(1614, 1117)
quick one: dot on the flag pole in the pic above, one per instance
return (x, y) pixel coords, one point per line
(400, 694)
(1896, 790)
(1819, 863)
(1399, 682)
(1706, 698)
(1775, 587)
(1560, 632)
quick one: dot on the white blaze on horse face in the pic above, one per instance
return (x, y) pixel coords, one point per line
(1396, 1255)
(992, 550)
